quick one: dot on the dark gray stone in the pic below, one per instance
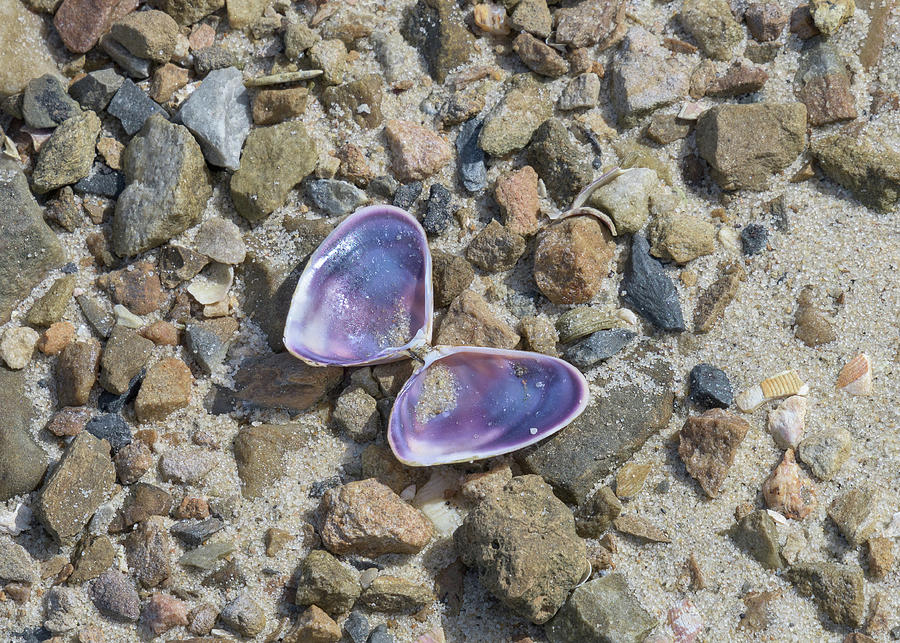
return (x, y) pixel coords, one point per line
(112, 403)
(115, 596)
(133, 66)
(196, 532)
(406, 194)
(46, 104)
(94, 90)
(133, 107)
(648, 289)
(709, 387)
(99, 318)
(611, 429)
(384, 186)
(102, 181)
(599, 346)
(381, 635)
(472, 172)
(562, 165)
(754, 238)
(205, 346)
(335, 197)
(437, 216)
(110, 427)
(357, 627)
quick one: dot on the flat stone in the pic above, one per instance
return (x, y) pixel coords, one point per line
(667, 128)
(125, 355)
(358, 101)
(589, 22)
(856, 514)
(495, 248)
(470, 322)
(824, 452)
(517, 195)
(17, 346)
(838, 589)
(186, 465)
(740, 78)
(187, 12)
(94, 555)
(208, 341)
(283, 381)
(259, 450)
(601, 610)
(102, 181)
(571, 259)
(45, 103)
(765, 20)
(553, 153)
(133, 107)
(207, 556)
(713, 301)
(606, 435)
(323, 581)
(417, 152)
(829, 15)
(713, 26)
(110, 427)
(472, 171)
(132, 65)
(757, 535)
(244, 616)
(98, 316)
(220, 240)
(746, 144)
(147, 552)
(20, 31)
(597, 347)
(76, 372)
(437, 30)
(81, 482)
(681, 238)
(16, 566)
(648, 289)
(864, 165)
(49, 308)
(645, 77)
(394, 595)
(539, 57)
(368, 519)
(880, 556)
(335, 197)
(331, 57)
(196, 532)
(524, 546)
(218, 114)
(168, 186)
(509, 125)
(595, 515)
(147, 34)
(272, 106)
(274, 160)
(166, 388)
(627, 199)
(115, 596)
(708, 444)
(315, 626)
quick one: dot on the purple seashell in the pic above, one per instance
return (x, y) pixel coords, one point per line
(365, 296)
(468, 403)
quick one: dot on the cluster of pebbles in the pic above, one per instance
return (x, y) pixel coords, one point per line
(168, 470)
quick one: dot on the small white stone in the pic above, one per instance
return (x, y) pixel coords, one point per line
(16, 521)
(730, 239)
(17, 346)
(125, 317)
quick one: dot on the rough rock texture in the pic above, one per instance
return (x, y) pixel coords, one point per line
(824, 452)
(839, 589)
(708, 444)
(863, 165)
(713, 26)
(649, 290)
(21, 30)
(166, 388)
(517, 195)
(589, 22)
(147, 552)
(323, 581)
(823, 85)
(856, 513)
(470, 322)
(627, 199)
(601, 610)
(258, 451)
(417, 152)
(436, 29)
(757, 535)
(559, 161)
(147, 34)
(511, 122)
(571, 259)
(495, 248)
(745, 144)
(607, 434)
(76, 372)
(81, 482)
(524, 546)
(283, 381)
(681, 238)
(80, 23)
(395, 595)
(28, 247)
(539, 57)
(22, 461)
(451, 274)
(369, 519)
(168, 186)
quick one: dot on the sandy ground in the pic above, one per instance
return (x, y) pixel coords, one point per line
(834, 244)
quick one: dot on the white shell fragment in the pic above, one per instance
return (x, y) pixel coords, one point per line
(432, 499)
(691, 110)
(212, 284)
(856, 376)
(781, 385)
(685, 621)
(16, 521)
(787, 422)
(126, 318)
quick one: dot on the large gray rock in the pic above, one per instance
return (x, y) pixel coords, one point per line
(22, 461)
(645, 76)
(28, 247)
(523, 543)
(218, 114)
(609, 432)
(168, 186)
(600, 611)
(838, 589)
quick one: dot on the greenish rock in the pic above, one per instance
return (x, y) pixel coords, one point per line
(824, 452)
(611, 429)
(208, 555)
(627, 199)
(68, 154)
(559, 161)
(50, 307)
(594, 516)
(757, 535)
(28, 247)
(324, 581)
(187, 12)
(746, 144)
(601, 611)
(522, 542)
(16, 566)
(45, 103)
(395, 595)
(148, 34)
(274, 160)
(856, 514)
(167, 187)
(437, 30)
(829, 15)
(258, 451)
(82, 481)
(863, 164)
(358, 101)
(713, 26)
(681, 238)
(124, 356)
(93, 556)
(838, 589)
(509, 125)
(22, 461)
(495, 248)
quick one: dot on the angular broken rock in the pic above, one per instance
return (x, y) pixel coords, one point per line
(838, 589)
(708, 444)
(282, 381)
(856, 514)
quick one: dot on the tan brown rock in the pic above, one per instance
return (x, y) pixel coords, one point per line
(417, 152)
(517, 194)
(708, 444)
(166, 388)
(571, 260)
(314, 626)
(470, 322)
(137, 287)
(76, 372)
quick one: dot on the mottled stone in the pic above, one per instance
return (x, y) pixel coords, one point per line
(594, 516)
(323, 581)
(272, 106)
(571, 259)
(708, 444)
(470, 322)
(590, 22)
(93, 556)
(826, 451)
(495, 248)
(417, 152)
(22, 31)
(147, 34)
(681, 238)
(713, 26)
(756, 534)
(517, 195)
(115, 596)
(45, 103)
(80, 23)
(395, 595)
(163, 612)
(283, 381)
(358, 101)
(856, 513)
(259, 450)
(314, 626)
(838, 589)
(863, 164)
(133, 107)
(539, 57)
(765, 20)
(627, 199)
(166, 388)
(713, 301)
(561, 164)
(76, 372)
(436, 29)
(509, 125)
(244, 616)
(451, 274)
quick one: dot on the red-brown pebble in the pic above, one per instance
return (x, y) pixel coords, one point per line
(56, 338)
(417, 152)
(190, 508)
(80, 23)
(163, 612)
(69, 421)
(161, 333)
(571, 260)
(517, 194)
(137, 287)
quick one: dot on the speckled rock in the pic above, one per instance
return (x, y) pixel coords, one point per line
(589, 22)
(524, 546)
(358, 101)
(829, 15)
(571, 259)
(163, 612)
(710, 387)
(49, 308)
(532, 16)
(147, 34)
(395, 595)
(517, 195)
(272, 106)
(822, 84)
(22, 461)
(553, 153)
(471, 322)
(811, 326)
(681, 238)
(824, 452)
(69, 153)
(436, 29)
(17, 346)
(187, 465)
(114, 596)
(708, 444)
(76, 372)
(125, 355)
(862, 164)
(22, 30)
(166, 388)
(539, 334)
(323, 581)
(539, 57)
(93, 556)
(369, 519)
(627, 199)
(765, 20)
(258, 451)
(132, 462)
(509, 125)
(451, 274)
(15, 564)
(356, 415)
(417, 152)
(757, 535)
(838, 589)
(594, 516)
(45, 103)
(244, 616)
(713, 26)
(856, 513)
(713, 301)
(495, 248)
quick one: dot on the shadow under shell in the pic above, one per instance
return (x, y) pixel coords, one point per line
(366, 294)
(471, 403)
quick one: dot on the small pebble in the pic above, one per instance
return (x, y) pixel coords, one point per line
(754, 238)
(406, 194)
(437, 216)
(710, 387)
(17, 346)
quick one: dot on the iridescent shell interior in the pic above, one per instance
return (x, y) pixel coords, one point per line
(469, 403)
(365, 296)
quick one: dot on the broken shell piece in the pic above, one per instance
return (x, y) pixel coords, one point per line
(16, 521)
(786, 423)
(212, 284)
(583, 321)
(781, 385)
(627, 316)
(856, 376)
(588, 211)
(691, 111)
(492, 19)
(285, 77)
(788, 491)
(730, 239)
(126, 318)
(685, 621)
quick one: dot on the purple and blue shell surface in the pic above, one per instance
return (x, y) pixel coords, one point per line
(365, 296)
(468, 403)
